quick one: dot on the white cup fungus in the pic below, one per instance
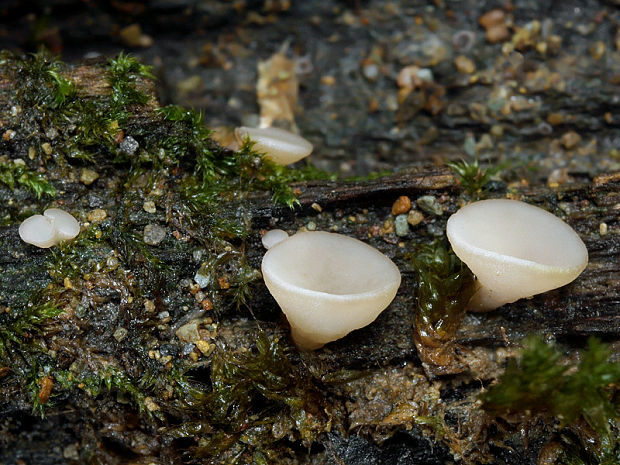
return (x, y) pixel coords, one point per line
(49, 229)
(516, 250)
(278, 145)
(328, 285)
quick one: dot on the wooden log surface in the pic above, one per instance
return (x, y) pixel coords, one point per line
(588, 306)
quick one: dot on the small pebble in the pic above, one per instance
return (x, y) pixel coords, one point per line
(557, 177)
(149, 206)
(401, 226)
(149, 306)
(311, 226)
(402, 205)
(133, 36)
(414, 217)
(202, 277)
(188, 332)
(87, 176)
(494, 22)
(602, 229)
(129, 145)
(492, 18)
(388, 227)
(464, 65)
(120, 334)
(205, 347)
(555, 118)
(598, 50)
(315, 206)
(71, 452)
(429, 204)
(497, 33)
(150, 404)
(153, 234)
(371, 72)
(570, 140)
(112, 263)
(47, 148)
(97, 215)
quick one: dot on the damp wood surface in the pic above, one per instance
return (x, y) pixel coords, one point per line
(120, 371)
(383, 352)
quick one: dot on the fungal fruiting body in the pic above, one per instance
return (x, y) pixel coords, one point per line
(515, 250)
(328, 285)
(49, 229)
(279, 145)
(273, 237)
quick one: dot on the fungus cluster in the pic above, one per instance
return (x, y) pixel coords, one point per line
(49, 229)
(279, 145)
(327, 284)
(515, 250)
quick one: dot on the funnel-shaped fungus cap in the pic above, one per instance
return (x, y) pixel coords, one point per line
(328, 285)
(515, 250)
(277, 144)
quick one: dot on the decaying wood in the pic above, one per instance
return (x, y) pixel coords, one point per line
(588, 306)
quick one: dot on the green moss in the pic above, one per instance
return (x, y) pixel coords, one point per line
(473, 178)
(541, 383)
(18, 326)
(252, 389)
(123, 73)
(444, 287)
(218, 170)
(80, 256)
(14, 174)
(114, 380)
(63, 88)
(41, 83)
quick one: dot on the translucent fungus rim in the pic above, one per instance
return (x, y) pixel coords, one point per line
(321, 294)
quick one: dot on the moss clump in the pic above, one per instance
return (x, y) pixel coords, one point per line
(18, 326)
(444, 286)
(75, 258)
(218, 170)
(19, 351)
(255, 394)
(474, 179)
(42, 84)
(584, 400)
(123, 73)
(14, 173)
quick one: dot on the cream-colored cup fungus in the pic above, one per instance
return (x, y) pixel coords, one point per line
(49, 229)
(328, 285)
(279, 145)
(515, 250)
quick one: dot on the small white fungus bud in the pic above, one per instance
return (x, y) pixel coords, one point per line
(49, 229)
(273, 237)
